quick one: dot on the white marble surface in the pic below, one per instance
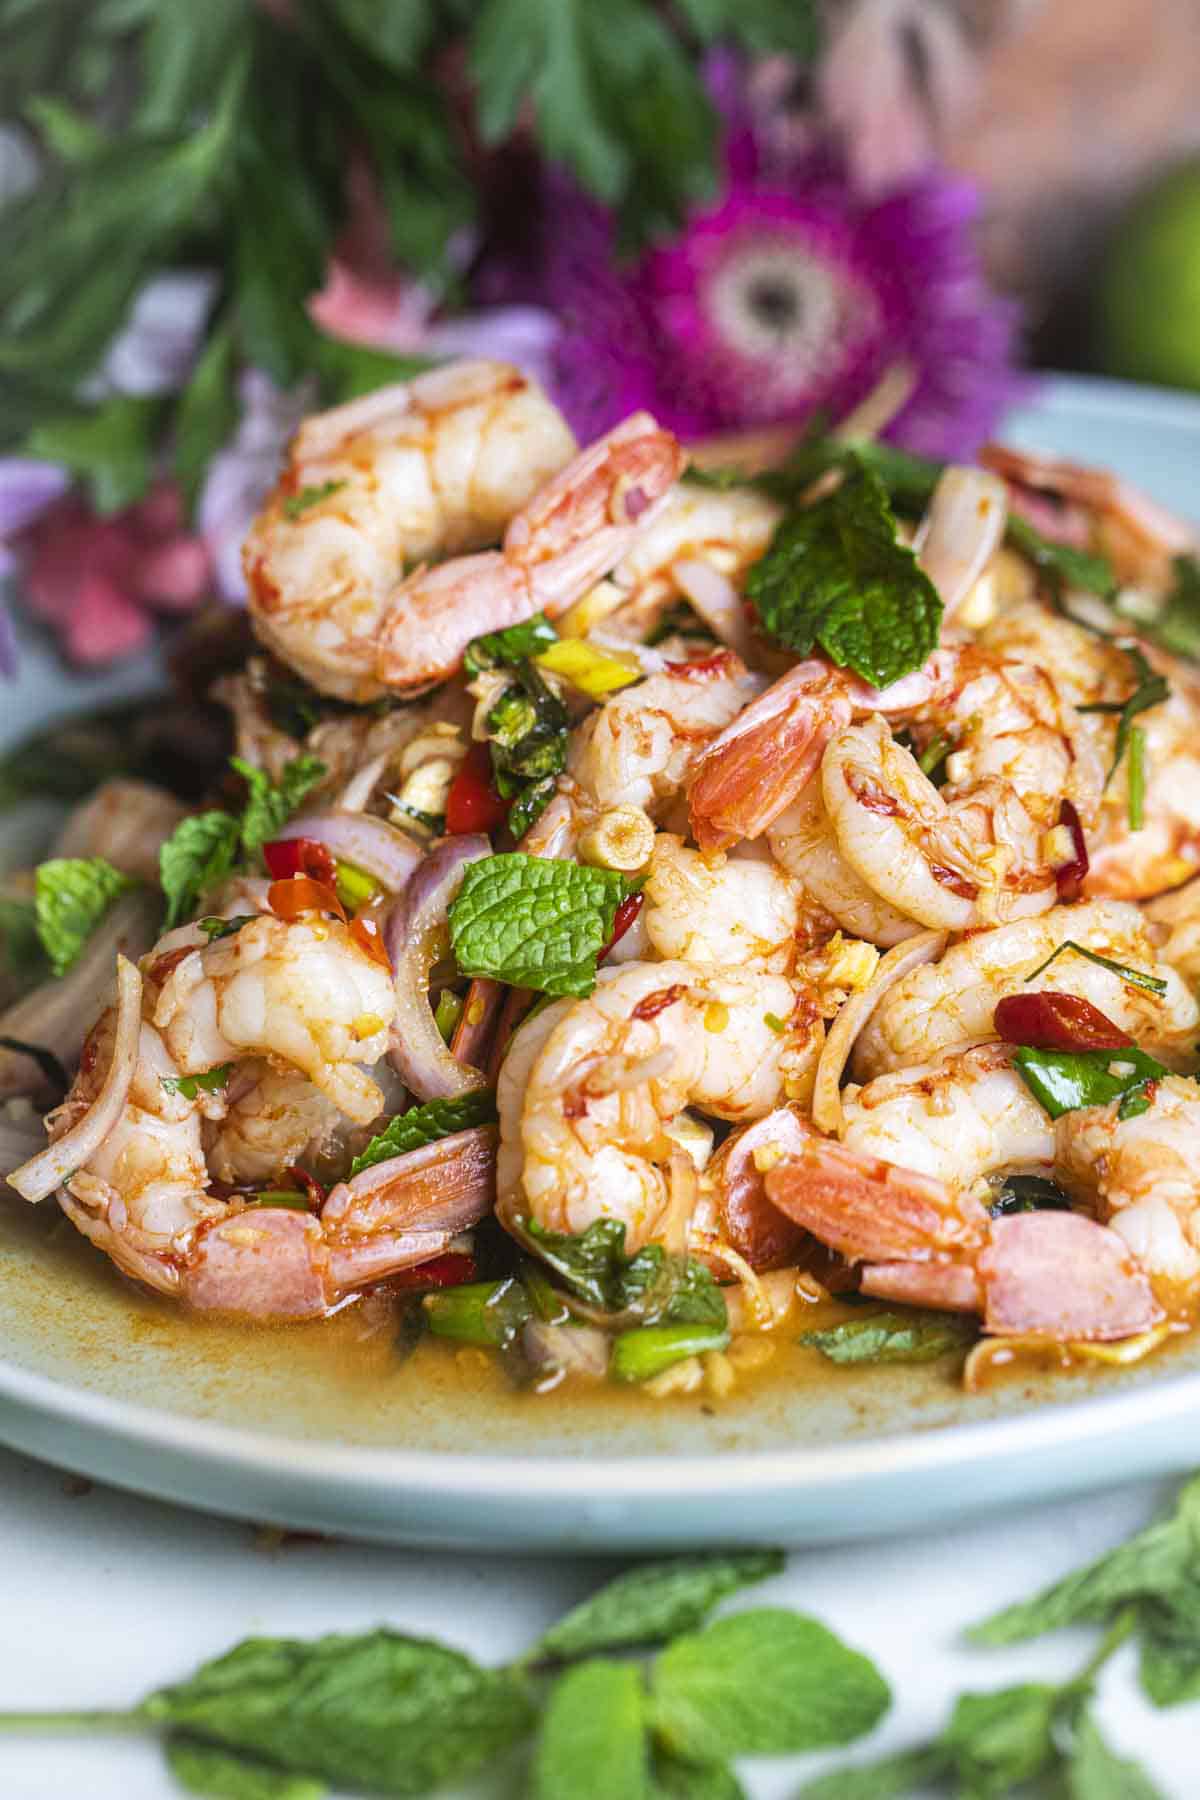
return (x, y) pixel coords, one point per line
(106, 1596)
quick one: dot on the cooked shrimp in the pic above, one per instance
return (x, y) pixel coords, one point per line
(617, 1070)
(429, 471)
(1178, 915)
(951, 865)
(802, 842)
(949, 1004)
(735, 913)
(924, 1234)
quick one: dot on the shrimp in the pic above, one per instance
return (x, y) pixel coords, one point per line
(951, 865)
(428, 471)
(921, 1228)
(616, 1071)
(802, 842)
(737, 914)
(143, 1192)
(1091, 670)
(946, 1005)
(1177, 914)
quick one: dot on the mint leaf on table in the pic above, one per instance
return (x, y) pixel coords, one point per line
(425, 1125)
(893, 1337)
(593, 1743)
(71, 896)
(1065, 1080)
(199, 853)
(762, 1683)
(891, 1778)
(1095, 1772)
(383, 1712)
(535, 923)
(217, 1774)
(271, 804)
(997, 1741)
(675, 1779)
(836, 575)
(496, 649)
(654, 1602)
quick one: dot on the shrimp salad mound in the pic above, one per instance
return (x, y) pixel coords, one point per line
(647, 899)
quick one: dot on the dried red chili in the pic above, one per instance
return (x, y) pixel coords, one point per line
(1057, 1022)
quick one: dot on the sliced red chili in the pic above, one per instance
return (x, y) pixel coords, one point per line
(300, 894)
(450, 1270)
(308, 1184)
(623, 918)
(473, 803)
(300, 856)
(1057, 1022)
(364, 929)
(1069, 876)
(657, 1002)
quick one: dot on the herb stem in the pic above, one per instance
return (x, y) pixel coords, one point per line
(132, 1720)
(1109, 1644)
(1137, 778)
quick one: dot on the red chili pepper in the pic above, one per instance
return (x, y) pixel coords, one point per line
(1057, 1022)
(623, 918)
(308, 1184)
(300, 856)
(300, 894)
(1070, 876)
(473, 803)
(364, 929)
(450, 1270)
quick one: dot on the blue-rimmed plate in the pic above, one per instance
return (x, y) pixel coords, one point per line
(329, 1427)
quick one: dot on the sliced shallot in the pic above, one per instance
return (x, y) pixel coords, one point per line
(415, 939)
(51, 1167)
(827, 1091)
(371, 844)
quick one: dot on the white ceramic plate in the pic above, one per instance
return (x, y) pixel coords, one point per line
(326, 1427)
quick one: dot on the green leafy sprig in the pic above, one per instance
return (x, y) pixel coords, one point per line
(204, 848)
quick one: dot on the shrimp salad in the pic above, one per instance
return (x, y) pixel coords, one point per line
(645, 899)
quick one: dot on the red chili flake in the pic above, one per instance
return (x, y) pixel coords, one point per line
(1071, 875)
(623, 918)
(706, 668)
(1057, 1022)
(874, 799)
(450, 1270)
(653, 1004)
(364, 929)
(300, 856)
(308, 1184)
(473, 803)
(300, 894)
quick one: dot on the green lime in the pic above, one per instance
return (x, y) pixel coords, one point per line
(1149, 300)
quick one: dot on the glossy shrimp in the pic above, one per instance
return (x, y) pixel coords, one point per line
(900, 1195)
(612, 1075)
(130, 1145)
(949, 1004)
(737, 913)
(359, 569)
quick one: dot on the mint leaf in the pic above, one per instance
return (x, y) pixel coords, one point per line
(497, 649)
(217, 1774)
(199, 853)
(593, 1743)
(271, 804)
(1065, 1080)
(425, 1124)
(383, 1712)
(836, 575)
(763, 1683)
(652, 1286)
(535, 923)
(71, 896)
(999, 1740)
(1095, 1772)
(1177, 627)
(654, 1602)
(893, 1337)
(891, 1778)
(675, 1779)
(1153, 1565)
(1170, 1639)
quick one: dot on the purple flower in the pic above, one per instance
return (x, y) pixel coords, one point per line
(790, 296)
(242, 474)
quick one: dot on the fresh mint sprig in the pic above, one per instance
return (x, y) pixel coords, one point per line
(535, 923)
(204, 848)
(71, 896)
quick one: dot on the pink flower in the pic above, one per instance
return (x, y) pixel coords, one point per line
(98, 582)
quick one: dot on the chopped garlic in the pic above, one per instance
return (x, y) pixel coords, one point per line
(851, 963)
(765, 1156)
(693, 1136)
(1058, 847)
(958, 766)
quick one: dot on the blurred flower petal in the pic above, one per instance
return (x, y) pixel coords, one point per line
(27, 487)
(523, 335)
(154, 351)
(241, 475)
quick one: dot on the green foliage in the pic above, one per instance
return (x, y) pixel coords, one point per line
(892, 1337)
(653, 1602)
(593, 1743)
(1177, 626)
(836, 575)
(217, 1774)
(71, 896)
(651, 1287)
(204, 847)
(1065, 1080)
(496, 649)
(535, 923)
(111, 450)
(425, 1125)
(271, 804)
